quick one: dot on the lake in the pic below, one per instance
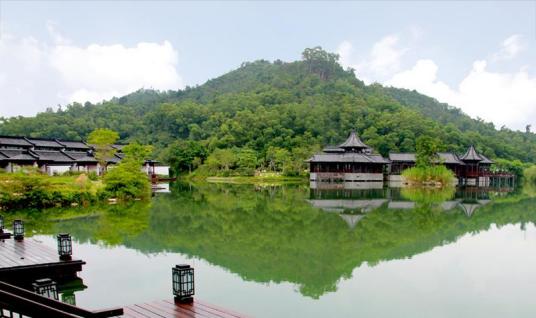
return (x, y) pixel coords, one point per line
(291, 251)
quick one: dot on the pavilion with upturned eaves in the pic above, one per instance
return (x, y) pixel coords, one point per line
(350, 161)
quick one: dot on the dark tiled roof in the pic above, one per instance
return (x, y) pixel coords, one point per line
(54, 156)
(444, 157)
(405, 157)
(348, 157)
(44, 143)
(353, 142)
(14, 141)
(74, 144)
(333, 149)
(80, 156)
(485, 159)
(114, 159)
(16, 154)
(118, 147)
(449, 158)
(471, 155)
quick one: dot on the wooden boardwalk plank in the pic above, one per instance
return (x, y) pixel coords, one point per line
(30, 259)
(169, 309)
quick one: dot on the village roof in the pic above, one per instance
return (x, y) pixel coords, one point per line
(74, 144)
(51, 155)
(17, 155)
(80, 156)
(38, 142)
(14, 141)
(471, 155)
(333, 149)
(485, 159)
(449, 158)
(405, 157)
(114, 159)
(118, 147)
(444, 157)
(348, 157)
(353, 141)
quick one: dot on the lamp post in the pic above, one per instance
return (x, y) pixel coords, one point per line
(18, 230)
(65, 246)
(183, 283)
(46, 287)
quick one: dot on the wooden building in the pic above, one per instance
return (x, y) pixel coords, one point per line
(470, 168)
(54, 156)
(348, 162)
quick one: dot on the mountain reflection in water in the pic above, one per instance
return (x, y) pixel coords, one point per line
(308, 237)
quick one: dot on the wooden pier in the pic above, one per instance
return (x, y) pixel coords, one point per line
(169, 309)
(22, 262)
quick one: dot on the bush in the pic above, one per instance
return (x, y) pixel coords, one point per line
(127, 181)
(530, 174)
(439, 173)
(93, 176)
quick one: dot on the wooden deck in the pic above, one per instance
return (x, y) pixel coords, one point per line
(169, 309)
(28, 260)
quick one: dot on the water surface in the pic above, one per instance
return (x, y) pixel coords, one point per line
(288, 251)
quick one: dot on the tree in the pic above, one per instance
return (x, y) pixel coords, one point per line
(102, 139)
(247, 161)
(127, 180)
(136, 153)
(184, 155)
(426, 151)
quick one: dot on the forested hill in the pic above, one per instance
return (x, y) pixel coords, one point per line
(265, 107)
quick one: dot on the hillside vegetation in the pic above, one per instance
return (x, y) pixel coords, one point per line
(272, 116)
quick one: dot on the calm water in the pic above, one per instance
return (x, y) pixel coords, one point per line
(293, 252)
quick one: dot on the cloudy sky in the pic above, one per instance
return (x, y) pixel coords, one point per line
(479, 56)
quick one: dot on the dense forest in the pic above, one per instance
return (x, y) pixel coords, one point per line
(273, 115)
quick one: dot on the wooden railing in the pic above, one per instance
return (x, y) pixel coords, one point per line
(26, 303)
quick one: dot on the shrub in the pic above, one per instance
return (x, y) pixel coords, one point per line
(438, 173)
(530, 174)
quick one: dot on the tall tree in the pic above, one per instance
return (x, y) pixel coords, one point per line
(103, 139)
(426, 152)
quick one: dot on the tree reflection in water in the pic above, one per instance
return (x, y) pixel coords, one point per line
(311, 238)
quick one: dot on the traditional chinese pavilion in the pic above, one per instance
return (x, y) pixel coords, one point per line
(350, 161)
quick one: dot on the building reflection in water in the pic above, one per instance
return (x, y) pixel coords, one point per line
(354, 202)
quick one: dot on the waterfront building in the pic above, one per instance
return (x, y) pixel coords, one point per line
(54, 156)
(350, 161)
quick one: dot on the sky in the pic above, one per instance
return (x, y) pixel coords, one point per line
(479, 56)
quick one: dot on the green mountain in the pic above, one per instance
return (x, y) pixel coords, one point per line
(295, 107)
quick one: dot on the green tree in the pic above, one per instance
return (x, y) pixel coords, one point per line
(127, 180)
(102, 139)
(426, 152)
(185, 155)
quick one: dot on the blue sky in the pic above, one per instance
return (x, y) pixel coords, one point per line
(476, 55)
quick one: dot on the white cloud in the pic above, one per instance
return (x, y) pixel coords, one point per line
(383, 59)
(99, 72)
(510, 48)
(35, 75)
(504, 98)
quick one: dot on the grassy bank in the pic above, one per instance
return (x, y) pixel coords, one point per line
(431, 175)
(35, 190)
(263, 177)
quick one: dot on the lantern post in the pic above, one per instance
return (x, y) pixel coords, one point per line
(18, 230)
(183, 283)
(46, 287)
(65, 246)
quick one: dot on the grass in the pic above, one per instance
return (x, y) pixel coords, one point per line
(432, 175)
(262, 177)
(36, 190)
